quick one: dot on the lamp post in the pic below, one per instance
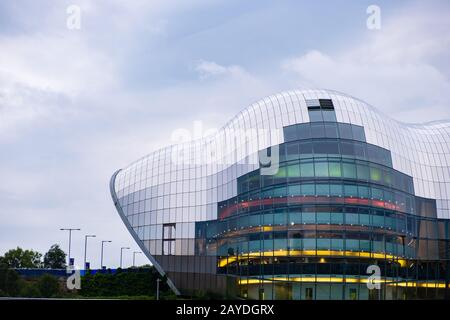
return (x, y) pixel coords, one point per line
(101, 259)
(70, 237)
(121, 251)
(157, 288)
(134, 257)
(85, 245)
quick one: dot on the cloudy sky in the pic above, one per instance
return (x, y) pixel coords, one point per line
(77, 104)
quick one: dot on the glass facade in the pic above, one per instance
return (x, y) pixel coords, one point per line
(320, 222)
(353, 189)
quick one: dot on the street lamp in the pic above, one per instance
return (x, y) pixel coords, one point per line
(134, 257)
(157, 288)
(121, 250)
(101, 259)
(85, 246)
(70, 237)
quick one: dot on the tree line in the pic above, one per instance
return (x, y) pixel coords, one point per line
(132, 283)
(54, 258)
(12, 285)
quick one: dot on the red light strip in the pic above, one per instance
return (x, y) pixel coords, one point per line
(308, 200)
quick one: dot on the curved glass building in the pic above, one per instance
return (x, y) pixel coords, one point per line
(303, 195)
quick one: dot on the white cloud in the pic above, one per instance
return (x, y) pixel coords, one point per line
(394, 69)
(58, 63)
(40, 75)
(210, 69)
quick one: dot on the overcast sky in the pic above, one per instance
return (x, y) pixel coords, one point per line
(75, 105)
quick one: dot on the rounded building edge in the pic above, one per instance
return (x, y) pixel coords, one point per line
(133, 234)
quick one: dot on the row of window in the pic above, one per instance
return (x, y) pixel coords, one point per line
(290, 172)
(418, 270)
(333, 147)
(398, 223)
(335, 215)
(334, 192)
(324, 130)
(185, 247)
(322, 115)
(384, 247)
(166, 231)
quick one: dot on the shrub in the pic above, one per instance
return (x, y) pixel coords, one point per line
(29, 290)
(9, 282)
(48, 286)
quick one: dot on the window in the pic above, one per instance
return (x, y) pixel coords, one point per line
(305, 149)
(377, 194)
(304, 131)
(387, 177)
(321, 110)
(279, 218)
(358, 133)
(353, 294)
(293, 171)
(281, 172)
(375, 174)
(317, 130)
(345, 131)
(321, 169)
(336, 190)
(309, 218)
(363, 192)
(329, 115)
(261, 294)
(168, 243)
(323, 189)
(352, 244)
(326, 104)
(338, 218)
(308, 293)
(168, 247)
(290, 133)
(282, 153)
(363, 172)
(359, 150)
(253, 182)
(350, 191)
(308, 189)
(292, 151)
(326, 147)
(347, 149)
(349, 170)
(307, 169)
(315, 115)
(335, 169)
(168, 231)
(279, 192)
(364, 219)
(374, 153)
(294, 190)
(331, 130)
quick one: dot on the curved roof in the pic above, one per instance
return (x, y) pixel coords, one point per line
(419, 150)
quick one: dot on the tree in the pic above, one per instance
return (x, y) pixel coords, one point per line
(128, 282)
(55, 258)
(9, 281)
(48, 286)
(28, 289)
(19, 258)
